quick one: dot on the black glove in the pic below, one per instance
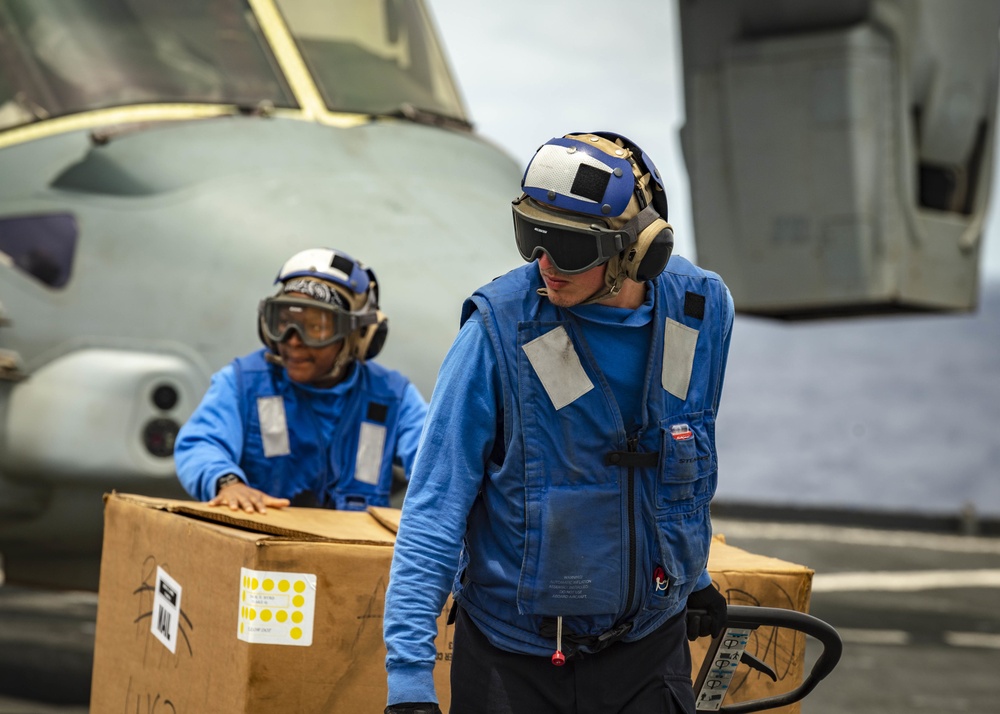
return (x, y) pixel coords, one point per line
(706, 613)
(413, 708)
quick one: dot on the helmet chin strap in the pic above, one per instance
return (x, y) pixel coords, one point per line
(343, 360)
(614, 278)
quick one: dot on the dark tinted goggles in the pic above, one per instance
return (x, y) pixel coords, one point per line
(316, 324)
(573, 243)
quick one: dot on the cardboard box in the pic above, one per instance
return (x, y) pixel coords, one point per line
(208, 610)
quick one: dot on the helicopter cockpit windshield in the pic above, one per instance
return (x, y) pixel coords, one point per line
(373, 57)
(61, 57)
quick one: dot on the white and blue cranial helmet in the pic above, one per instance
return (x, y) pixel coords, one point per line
(325, 296)
(590, 199)
(329, 269)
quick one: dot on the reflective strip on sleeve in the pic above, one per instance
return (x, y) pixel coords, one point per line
(273, 426)
(371, 445)
(679, 343)
(557, 365)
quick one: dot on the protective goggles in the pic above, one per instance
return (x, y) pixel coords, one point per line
(573, 243)
(316, 324)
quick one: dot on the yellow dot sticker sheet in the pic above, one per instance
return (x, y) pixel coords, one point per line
(276, 608)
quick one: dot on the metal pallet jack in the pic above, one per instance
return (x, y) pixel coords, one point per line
(728, 650)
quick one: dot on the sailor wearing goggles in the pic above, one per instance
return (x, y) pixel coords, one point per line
(562, 490)
(309, 419)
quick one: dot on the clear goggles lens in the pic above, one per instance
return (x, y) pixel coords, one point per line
(316, 325)
(573, 244)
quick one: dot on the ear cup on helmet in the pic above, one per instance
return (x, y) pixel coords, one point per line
(648, 256)
(652, 258)
(371, 339)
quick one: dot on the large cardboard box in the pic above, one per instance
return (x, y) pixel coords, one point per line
(208, 610)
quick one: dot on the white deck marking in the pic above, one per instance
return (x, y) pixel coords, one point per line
(900, 638)
(856, 536)
(973, 639)
(904, 581)
(874, 637)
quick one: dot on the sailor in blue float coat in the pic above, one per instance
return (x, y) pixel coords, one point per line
(562, 490)
(308, 420)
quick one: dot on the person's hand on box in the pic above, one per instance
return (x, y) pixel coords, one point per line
(232, 492)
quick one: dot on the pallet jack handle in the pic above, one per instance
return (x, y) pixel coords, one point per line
(745, 618)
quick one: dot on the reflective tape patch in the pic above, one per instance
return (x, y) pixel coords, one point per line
(273, 426)
(553, 169)
(557, 365)
(679, 343)
(371, 445)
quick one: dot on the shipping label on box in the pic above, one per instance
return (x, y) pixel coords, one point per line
(166, 609)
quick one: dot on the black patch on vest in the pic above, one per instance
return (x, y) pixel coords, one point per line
(590, 182)
(694, 305)
(377, 412)
(647, 459)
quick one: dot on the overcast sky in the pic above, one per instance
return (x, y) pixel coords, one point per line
(533, 70)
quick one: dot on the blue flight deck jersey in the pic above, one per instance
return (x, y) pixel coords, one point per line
(331, 447)
(569, 503)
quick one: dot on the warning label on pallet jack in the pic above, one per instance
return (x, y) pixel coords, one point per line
(713, 690)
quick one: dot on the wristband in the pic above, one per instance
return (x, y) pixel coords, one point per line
(225, 481)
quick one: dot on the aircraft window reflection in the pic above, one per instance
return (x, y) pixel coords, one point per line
(63, 56)
(41, 246)
(373, 57)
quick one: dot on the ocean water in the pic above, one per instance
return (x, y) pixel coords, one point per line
(896, 414)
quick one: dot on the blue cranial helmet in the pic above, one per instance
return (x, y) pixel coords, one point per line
(590, 199)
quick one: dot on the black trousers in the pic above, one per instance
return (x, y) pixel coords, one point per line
(651, 676)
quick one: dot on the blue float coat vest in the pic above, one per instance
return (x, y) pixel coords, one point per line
(609, 530)
(321, 467)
